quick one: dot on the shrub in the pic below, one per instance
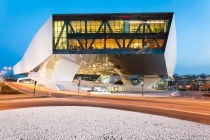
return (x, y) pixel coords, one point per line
(9, 92)
(6, 87)
(207, 95)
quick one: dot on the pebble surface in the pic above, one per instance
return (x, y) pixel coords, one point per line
(92, 123)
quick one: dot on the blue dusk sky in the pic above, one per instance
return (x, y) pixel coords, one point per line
(21, 19)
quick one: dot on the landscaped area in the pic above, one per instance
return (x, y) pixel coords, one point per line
(7, 90)
(73, 122)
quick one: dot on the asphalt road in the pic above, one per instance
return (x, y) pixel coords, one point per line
(194, 94)
(196, 110)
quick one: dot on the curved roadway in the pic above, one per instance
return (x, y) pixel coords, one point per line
(193, 110)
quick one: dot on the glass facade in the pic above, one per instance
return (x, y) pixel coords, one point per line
(111, 33)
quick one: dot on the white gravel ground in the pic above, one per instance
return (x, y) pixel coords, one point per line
(91, 123)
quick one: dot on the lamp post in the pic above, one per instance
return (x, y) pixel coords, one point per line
(2, 73)
(7, 69)
(5, 72)
(142, 85)
(141, 78)
(207, 85)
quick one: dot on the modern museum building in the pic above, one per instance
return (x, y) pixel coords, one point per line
(116, 51)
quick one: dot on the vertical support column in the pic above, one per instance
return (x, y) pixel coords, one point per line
(144, 35)
(85, 33)
(67, 42)
(53, 29)
(104, 33)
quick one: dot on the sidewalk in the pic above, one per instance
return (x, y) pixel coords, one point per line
(40, 93)
(21, 96)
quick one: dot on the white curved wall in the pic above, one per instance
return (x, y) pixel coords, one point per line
(171, 50)
(38, 50)
(64, 71)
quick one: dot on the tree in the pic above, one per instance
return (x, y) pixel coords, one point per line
(203, 76)
(176, 77)
(191, 78)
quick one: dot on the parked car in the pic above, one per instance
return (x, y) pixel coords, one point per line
(103, 89)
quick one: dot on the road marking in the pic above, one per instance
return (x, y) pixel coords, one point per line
(72, 97)
(181, 105)
(118, 97)
(140, 105)
(152, 107)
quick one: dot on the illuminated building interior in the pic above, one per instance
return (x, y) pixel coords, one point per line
(128, 34)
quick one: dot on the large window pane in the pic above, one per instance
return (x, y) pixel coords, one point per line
(97, 44)
(93, 26)
(74, 45)
(151, 43)
(59, 35)
(117, 26)
(134, 24)
(111, 44)
(78, 26)
(157, 26)
(136, 44)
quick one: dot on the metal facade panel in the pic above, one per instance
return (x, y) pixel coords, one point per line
(64, 71)
(38, 50)
(171, 49)
(143, 64)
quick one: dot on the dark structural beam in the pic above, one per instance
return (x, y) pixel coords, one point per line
(111, 31)
(72, 29)
(101, 25)
(137, 30)
(155, 39)
(59, 37)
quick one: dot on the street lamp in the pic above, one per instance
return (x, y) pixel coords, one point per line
(7, 69)
(207, 85)
(141, 78)
(2, 74)
(142, 85)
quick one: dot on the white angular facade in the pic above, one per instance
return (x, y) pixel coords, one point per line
(57, 71)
